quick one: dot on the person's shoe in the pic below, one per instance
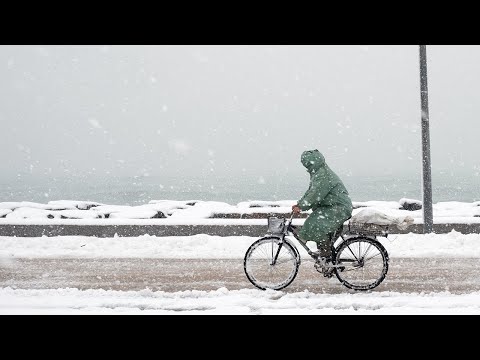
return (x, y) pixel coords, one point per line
(320, 263)
(325, 261)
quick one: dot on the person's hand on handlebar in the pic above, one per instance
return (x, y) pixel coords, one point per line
(296, 209)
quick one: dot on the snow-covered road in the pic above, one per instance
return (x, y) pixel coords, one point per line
(429, 274)
(457, 275)
(189, 286)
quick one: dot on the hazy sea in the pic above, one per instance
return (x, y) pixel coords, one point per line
(232, 190)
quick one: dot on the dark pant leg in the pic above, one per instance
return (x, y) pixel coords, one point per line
(325, 246)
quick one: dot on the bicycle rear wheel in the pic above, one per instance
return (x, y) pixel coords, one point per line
(259, 267)
(365, 263)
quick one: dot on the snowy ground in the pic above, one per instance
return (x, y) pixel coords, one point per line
(222, 300)
(453, 244)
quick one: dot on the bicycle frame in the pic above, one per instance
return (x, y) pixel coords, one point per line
(289, 228)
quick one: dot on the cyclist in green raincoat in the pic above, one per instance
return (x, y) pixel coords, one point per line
(329, 200)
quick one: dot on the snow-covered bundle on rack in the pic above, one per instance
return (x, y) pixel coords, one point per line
(376, 217)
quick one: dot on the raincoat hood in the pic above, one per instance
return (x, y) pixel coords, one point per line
(313, 160)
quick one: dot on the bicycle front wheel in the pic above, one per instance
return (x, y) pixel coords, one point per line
(265, 273)
(364, 263)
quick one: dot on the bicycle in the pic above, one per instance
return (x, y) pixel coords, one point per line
(359, 260)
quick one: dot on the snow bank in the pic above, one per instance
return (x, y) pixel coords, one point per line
(109, 209)
(260, 204)
(378, 204)
(204, 209)
(4, 212)
(79, 214)
(169, 207)
(15, 205)
(224, 301)
(453, 244)
(33, 213)
(454, 208)
(135, 214)
(195, 209)
(81, 205)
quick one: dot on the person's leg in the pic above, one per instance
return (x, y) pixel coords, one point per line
(316, 228)
(310, 229)
(324, 246)
(320, 226)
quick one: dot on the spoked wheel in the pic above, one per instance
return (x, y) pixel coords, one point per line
(363, 263)
(261, 269)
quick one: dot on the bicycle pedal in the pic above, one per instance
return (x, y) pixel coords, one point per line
(328, 272)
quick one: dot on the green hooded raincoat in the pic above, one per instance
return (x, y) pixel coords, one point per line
(326, 196)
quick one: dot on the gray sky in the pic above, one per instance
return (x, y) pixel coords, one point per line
(215, 111)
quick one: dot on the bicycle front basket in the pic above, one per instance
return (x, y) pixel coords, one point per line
(276, 225)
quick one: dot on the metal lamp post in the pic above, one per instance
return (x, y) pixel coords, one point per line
(427, 168)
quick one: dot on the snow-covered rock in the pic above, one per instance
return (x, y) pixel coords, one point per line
(71, 204)
(33, 205)
(411, 204)
(4, 212)
(135, 213)
(33, 213)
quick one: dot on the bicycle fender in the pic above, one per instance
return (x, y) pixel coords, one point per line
(356, 236)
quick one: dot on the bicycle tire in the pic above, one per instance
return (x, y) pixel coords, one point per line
(258, 251)
(377, 269)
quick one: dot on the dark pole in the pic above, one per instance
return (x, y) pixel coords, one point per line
(427, 167)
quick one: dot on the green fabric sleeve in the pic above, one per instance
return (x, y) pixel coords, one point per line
(318, 190)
